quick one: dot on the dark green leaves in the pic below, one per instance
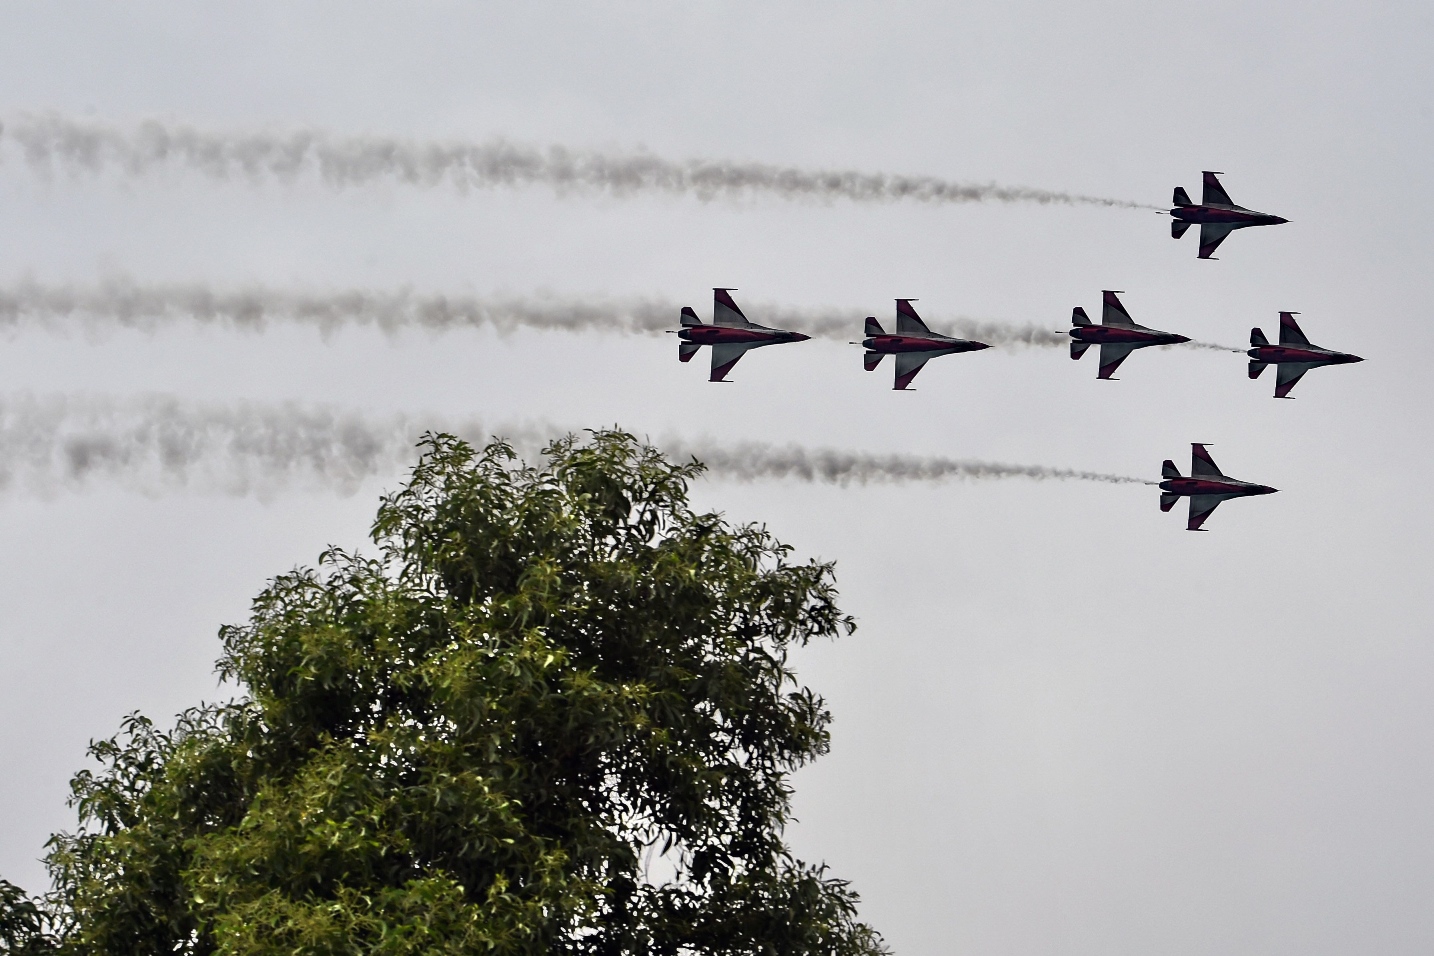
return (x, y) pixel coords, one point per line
(553, 715)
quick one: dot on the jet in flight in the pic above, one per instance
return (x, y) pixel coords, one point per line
(912, 344)
(1293, 357)
(1206, 487)
(730, 335)
(1216, 214)
(1116, 335)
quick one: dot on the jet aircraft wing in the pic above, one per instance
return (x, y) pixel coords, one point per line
(725, 311)
(907, 321)
(1112, 312)
(1290, 331)
(724, 356)
(1201, 464)
(1214, 194)
(1111, 355)
(1287, 375)
(907, 365)
(1211, 235)
(1202, 507)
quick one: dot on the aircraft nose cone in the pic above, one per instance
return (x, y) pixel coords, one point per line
(1353, 358)
(1267, 490)
(799, 337)
(1177, 339)
(1279, 221)
(979, 346)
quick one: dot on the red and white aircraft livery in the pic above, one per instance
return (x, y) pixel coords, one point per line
(730, 335)
(1216, 214)
(912, 344)
(1116, 335)
(1293, 357)
(1206, 487)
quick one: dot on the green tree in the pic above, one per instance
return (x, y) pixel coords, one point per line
(24, 924)
(554, 715)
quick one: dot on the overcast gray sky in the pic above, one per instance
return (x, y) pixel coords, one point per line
(1065, 726)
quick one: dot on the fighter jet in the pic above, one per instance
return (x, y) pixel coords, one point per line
(730, 335)
(1116, 335)
(1216, 214)
(1206, 487)
(912, 344)
(1293, 357)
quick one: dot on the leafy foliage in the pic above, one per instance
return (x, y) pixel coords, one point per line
(24, 925)
(554, 715)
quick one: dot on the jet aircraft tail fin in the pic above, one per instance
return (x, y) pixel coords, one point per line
(1078, 316)
(873, 327)
(1178, 227)
(1257, 339)
(1181, 198)
(685, 351)
(689, 317)
(871, 360)
(1256, 368)
(1168, 470)
(1167, 501)
(1078, 349)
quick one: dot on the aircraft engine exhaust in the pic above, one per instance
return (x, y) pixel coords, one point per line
(157, 444)
(123, 303)
(51, 142)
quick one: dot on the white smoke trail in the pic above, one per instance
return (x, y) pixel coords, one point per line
(1211, 346)
(757, 461)
(158, 444)
(52, 142)
(124, 303)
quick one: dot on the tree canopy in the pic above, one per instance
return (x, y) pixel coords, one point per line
(554, 714)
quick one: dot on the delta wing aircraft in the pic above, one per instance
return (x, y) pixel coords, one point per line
(912, 344)
(1117, 335)
(1217, 215)
(730, 335)
(1293, 357)
(1206, 487)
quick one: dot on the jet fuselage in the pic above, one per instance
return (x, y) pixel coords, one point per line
(892, 344)
(1233, 215)
(1300, 355)
(1214, 486)
(1124, 335)
(726, 335)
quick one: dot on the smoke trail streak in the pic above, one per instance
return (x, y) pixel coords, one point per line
(157, 444)
(77, 146)
(755, 461)
(147, 307)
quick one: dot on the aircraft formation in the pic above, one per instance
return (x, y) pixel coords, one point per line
(731, 335)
